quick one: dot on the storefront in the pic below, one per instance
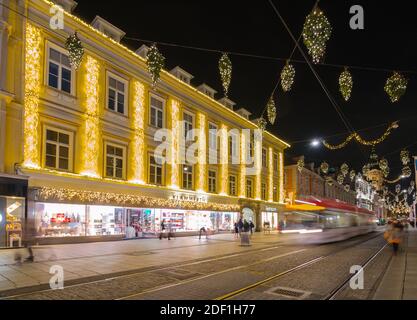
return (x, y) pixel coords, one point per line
(13, 193)
(270, 218)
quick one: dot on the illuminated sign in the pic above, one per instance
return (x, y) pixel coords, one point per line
(13, 207)
(189, 197)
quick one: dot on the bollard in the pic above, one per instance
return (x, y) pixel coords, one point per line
(245, 239)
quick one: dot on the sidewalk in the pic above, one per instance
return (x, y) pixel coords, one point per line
(103, 258)
(400, 279)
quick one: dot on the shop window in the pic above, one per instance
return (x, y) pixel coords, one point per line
(12, 213)
(115, 161)
(105, 221)
(249, 188)
(157, 107)
(155, 170)
(58, 149)
(187, 177)
(232, 186)
(263, 191)
(60, 73)
(212, 182)
(117, 94)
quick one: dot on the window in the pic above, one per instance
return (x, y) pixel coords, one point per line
(60, 73)
(115, 160)
(188, 123)
(275, 162)
(263, 193)
(58, 149)
(252, 145)
(233, 149)
(155, 170)
(157, 113)
(232, 186)
(187, 177)
(213, 137)
(117, 94)
(249, 188)
(212, 182)
(264, 158)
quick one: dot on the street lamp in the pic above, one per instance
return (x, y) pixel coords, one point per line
(315, 143)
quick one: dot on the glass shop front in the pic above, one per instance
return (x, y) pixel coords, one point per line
(56, 220)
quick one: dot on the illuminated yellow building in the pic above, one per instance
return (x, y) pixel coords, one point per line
(84, 139)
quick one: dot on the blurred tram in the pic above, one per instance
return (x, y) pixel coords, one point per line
(324, 220)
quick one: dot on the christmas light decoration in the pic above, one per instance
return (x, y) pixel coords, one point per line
(324, 167)
(398, 188)
(271, 174)
(300, 165)
(225, 68)
(243, 163)
(126, 200)
(33, 81)
(346, 84)
(352, 175)
(347, 188)
(383, 164)
(281, 190)
(91, 132)
(224, 159)
(174, 112)
(365, 169)
(258, 164)
(405, 157)
(344, 169)
(138, 154)
(329, 181)
(316, 32)
(202, 154)
(271, 110)
(396, 86)
(359, 139)
(287, 77)
(386, 172)
(340, 178)
(75, 50)
(406, 172)
(262, 124)
(155, 62)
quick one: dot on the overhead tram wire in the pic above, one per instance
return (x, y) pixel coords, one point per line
(330, 97)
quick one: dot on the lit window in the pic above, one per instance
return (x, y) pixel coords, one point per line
(157, 113)
(264, 158)
(58, 149)
(60, 73)
(212, 182)
(117, 93)
(187, 177)
(155, 170)
(115, 161)
(233, 148)
(188, 123)
(232, 186)
(249, 188)
(263, 191)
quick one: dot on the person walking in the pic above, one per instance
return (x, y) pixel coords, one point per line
(29, 238)
(251, 226)
(240, 226)
(163, 228)
(203, 229)
(394, 235)
(236, 230)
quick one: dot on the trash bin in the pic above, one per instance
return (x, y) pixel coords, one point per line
(245, 239)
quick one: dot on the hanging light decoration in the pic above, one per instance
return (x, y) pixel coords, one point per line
(405, 157)
(406, 172)
(347, 188)
(262, 124)
(316, 32)
(383, 164)
(386, 172)
(396, 86)
(365, 169)
(155, 61)
(344, 169)
(329, 181)
(287, 77)
(398, 188)
(340, 178)
(324, 167)
(271, 110)
(385, 190)
(300, 165)
(352, 175)
(75, 50)
(225, 68)
(346, 84)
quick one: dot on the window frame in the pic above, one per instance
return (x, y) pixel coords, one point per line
(263, 191)
(193, 124)
(125, 82)
(249, 196)
(70, 148)
(264, 158)
(61, 50)
(210, 181)
(124, 159)
(150, 155)
(192, 177)
(275, 162)
(233, 194)
(160, 99)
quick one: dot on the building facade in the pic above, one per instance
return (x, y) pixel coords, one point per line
(85, 141)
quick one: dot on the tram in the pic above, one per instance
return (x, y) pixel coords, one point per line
(324, 220)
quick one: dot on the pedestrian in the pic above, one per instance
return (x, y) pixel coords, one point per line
(170, 230)
(394, 236)
(163, 227)
(246, 226)
(203, 229)
(251, 226)
(29, 238)
(240, 226)
(236, 226)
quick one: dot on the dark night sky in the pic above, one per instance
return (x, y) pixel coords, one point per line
(388, 42)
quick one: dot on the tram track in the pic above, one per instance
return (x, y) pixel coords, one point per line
(307, 264)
